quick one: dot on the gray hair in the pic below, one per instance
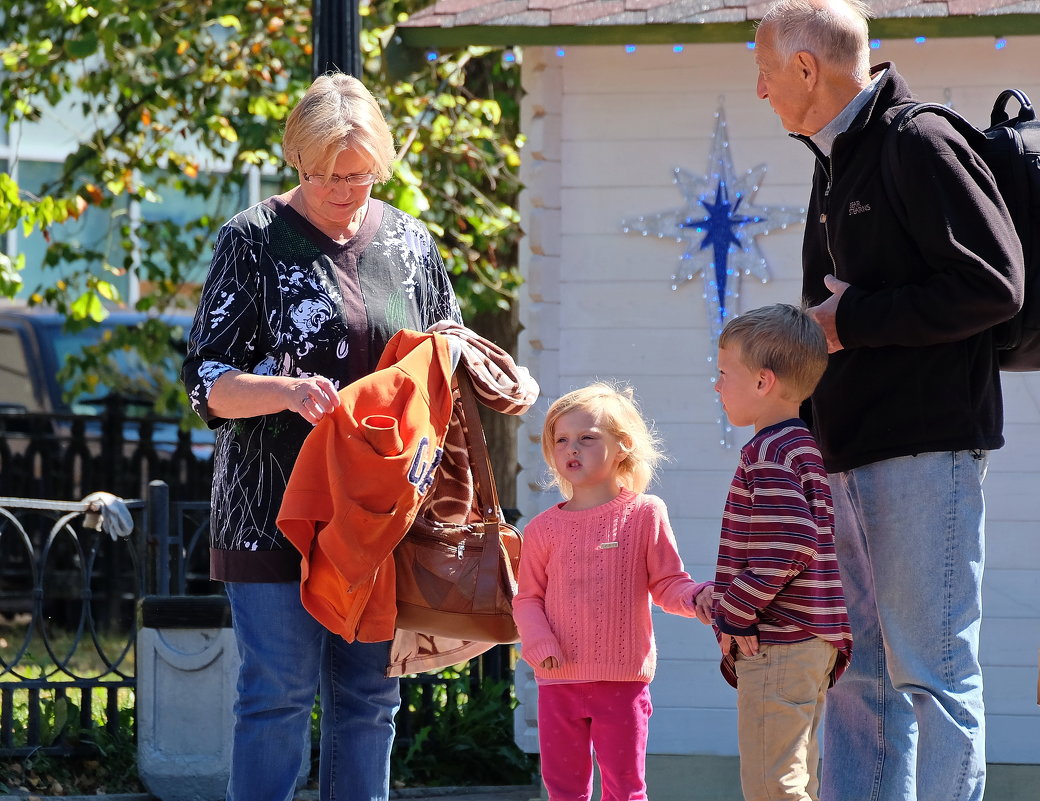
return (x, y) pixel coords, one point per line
(834, 31)
(337, 113)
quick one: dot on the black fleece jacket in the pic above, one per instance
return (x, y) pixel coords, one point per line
(918, 372)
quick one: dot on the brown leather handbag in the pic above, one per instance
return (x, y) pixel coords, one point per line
(458, 579)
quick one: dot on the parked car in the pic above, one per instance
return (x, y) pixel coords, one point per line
(34, 344)
(45, 425)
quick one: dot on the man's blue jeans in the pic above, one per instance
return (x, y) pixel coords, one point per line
(906, 720)
(286, 657)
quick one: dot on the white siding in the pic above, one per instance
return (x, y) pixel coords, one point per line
(606, 128)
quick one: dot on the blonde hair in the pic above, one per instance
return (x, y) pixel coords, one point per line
(614, 409)
(784, 339)
(835, 31)
(337, 113)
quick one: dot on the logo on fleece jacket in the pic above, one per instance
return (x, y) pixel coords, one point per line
(421, 471)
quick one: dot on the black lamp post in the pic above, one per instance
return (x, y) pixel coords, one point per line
(337, 37)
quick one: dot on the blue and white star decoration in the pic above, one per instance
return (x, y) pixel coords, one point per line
(717, 227)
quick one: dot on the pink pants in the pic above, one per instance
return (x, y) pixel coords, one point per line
(610, 717)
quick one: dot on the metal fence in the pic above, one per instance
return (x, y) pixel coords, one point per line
(69, 612)
(67, 608)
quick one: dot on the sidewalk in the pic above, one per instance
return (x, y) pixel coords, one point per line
(513, 793)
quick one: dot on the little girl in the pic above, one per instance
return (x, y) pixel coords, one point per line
(590, 567)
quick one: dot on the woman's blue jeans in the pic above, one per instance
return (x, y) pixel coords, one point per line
(906, 721)
(286, 657)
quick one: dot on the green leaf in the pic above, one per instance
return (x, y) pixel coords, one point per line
(82, 47)
(78, 13)
(229, 21)
(413, 201)
(107, 291)
(10, 274)
(88, 307)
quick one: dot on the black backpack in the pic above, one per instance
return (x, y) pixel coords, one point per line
(1011, 149)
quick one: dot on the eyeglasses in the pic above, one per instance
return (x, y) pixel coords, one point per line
(357, 179)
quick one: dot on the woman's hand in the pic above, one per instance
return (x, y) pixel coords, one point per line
(311, 398)
(237, 394)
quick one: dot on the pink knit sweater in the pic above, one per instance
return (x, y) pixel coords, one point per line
(586, 582)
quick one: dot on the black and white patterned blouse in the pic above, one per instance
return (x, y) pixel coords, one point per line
(282, 298)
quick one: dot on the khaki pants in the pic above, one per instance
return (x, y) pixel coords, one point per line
(779, 703)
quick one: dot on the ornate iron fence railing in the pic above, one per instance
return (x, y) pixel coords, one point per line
(69, 596)
(67, 607)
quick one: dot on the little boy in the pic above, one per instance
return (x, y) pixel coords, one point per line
(779, 609)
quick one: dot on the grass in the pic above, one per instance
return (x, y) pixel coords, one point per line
(65, 660)
(105, 756)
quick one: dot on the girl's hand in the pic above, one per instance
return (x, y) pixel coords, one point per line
(550, 663)
(703, 603)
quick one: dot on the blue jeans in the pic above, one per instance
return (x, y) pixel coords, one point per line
(906, 720)
(286, 657)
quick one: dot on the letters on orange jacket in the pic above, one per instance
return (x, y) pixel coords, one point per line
(358, 482)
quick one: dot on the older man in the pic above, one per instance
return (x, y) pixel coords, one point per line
(906, 280)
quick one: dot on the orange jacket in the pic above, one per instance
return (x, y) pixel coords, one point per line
(358, 482)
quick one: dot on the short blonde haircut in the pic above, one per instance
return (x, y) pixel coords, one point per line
(337, 113)
(615, 410)
(834, 31)
(784, 339)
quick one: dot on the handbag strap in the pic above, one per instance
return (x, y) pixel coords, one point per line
(484, 487)
(486, 494)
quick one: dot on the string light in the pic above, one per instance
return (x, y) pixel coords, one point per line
(1000, 43)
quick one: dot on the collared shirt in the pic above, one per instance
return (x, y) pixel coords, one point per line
(824, 138)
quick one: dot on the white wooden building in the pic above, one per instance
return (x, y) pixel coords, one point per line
(620, 94)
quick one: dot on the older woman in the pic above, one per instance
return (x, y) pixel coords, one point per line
(303, 292)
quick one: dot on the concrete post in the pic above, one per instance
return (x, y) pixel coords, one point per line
(187, 669)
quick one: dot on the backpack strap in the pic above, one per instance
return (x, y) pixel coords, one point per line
(890, 146)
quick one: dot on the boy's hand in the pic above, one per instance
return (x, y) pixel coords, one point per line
(747, 645)
(550, 662)
(702, 604)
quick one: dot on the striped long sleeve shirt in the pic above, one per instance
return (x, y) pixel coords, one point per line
(777, 573)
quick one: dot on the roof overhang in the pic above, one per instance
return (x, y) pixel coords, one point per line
(430, 36)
